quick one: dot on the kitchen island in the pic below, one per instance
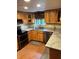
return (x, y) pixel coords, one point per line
(54, 45)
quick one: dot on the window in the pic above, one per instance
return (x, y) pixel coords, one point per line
(39, 22)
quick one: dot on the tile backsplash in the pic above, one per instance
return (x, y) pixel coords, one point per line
(47, 26)
(53, 26)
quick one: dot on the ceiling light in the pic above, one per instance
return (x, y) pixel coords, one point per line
(25, 7)
(38, 5)
(27, 0)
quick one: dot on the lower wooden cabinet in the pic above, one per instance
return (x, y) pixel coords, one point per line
(32, 35)
(40, 36)
(35, 35)
(54, 54)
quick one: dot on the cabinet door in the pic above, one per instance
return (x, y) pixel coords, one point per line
(53, 16)
(34, 35)
(31, 18)
(23, 16)
(54, 54)
(29, 35)
(46, 14)
(19, 16)
(40, 36)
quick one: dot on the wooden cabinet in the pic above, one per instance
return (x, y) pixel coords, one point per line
(26, 17)
(40, 36)
(54, 54)
(31, 18)
(32, 35)
(35, 35)
(51, 16)
(23, 16)
(46, 15)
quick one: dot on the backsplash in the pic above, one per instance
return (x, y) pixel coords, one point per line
(53, 26)
(47, 26)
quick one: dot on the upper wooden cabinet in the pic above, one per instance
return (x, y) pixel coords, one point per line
(23, 16)
(51, 16)
(31, 17)
(26, 17)
(46, 15)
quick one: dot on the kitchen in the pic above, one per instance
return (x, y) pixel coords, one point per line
(38, 29)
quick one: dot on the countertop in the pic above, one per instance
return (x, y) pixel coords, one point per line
(27, 28)
(54, 41)
(47, 30)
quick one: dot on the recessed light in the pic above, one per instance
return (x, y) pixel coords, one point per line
(25, 7)
(27, 0)
(38, 5)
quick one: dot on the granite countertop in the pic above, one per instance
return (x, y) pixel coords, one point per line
(54, 41)
(44, 30)
(47, 30)
(27, 28)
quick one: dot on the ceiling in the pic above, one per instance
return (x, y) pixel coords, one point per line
(45, 5)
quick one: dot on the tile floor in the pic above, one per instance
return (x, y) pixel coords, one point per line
(45, 54)
(34, 50)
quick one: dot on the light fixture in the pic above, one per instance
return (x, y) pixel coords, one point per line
(38, 5)
(27, 0)
(25, 7)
